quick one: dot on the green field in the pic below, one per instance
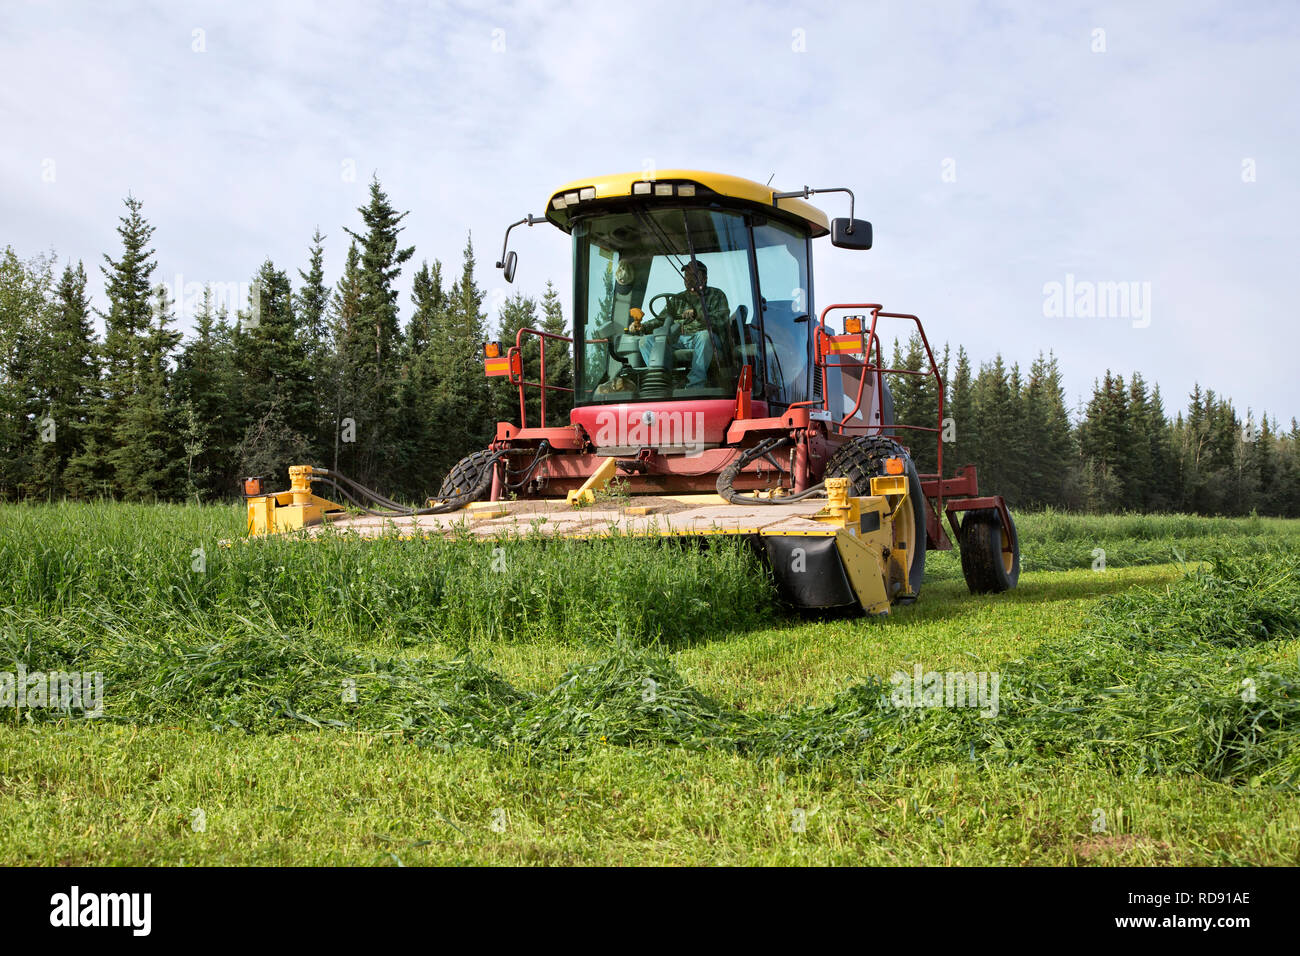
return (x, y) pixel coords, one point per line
(404, 702)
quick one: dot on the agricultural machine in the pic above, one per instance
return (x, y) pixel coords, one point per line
(713, 400)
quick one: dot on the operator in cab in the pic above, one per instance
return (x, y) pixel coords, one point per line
(696, 313)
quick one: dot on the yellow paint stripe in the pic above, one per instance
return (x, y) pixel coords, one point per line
(852, 343)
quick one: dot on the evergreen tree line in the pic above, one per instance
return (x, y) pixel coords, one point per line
(307, 372)
(301, 372)
(1119, 451)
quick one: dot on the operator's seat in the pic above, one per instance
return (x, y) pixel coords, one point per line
(729, 349)
(744, 335)
(729, 352)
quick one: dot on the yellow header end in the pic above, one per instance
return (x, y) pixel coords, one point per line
(889, 485)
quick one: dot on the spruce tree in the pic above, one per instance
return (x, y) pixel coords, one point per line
(419, 441)
(278, 403)
(1165, 492)
(1139, 473)
(147, 454)
(1103, 445)
(917, 395)
(24, 322)
(311, 309)
(518, 312)
(993, 407)
(559, 359)
(371, 353)
(345, 319)
(204, 387)
(464, 408)
(129, 287)
(961, 450)
(68, 376)
(1046, 425)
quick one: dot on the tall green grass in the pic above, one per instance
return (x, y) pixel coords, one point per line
(1154, 684)
(169, 568)
(116, 562)
(1058, 541)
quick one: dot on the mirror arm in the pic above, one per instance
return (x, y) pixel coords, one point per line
(529, 220)
(807, 192)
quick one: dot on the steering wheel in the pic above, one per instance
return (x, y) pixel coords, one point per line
(650, 306)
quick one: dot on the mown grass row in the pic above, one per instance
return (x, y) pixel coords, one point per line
(1190, 679)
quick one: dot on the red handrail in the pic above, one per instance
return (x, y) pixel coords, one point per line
(871, 339)
(517, 349)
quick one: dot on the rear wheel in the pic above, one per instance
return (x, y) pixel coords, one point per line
(467, 475)
(861, 459)
(989, 562)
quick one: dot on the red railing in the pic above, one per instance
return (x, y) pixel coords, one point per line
(872, 344)
(541, 385)
(876, 370)
(821, 332)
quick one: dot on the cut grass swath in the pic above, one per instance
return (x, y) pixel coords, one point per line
(1154, 684)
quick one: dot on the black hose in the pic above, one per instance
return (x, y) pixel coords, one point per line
(393, 510)
(365, 492)
(528, 475)
(543, 453)
(351, 500)
(761, 450)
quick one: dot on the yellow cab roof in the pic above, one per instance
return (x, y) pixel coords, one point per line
(730, 187)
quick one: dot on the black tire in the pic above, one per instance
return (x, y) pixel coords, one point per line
(986, 567)
(466, 475)
(861, 459)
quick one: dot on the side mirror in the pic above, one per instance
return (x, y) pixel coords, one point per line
(508, 259)
(851, 233)
(512, 259)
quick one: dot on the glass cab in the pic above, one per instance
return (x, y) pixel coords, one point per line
(676, 301)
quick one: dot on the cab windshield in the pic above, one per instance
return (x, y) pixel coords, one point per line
(664, 305)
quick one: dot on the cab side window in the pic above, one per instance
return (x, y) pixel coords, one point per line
(782, 255)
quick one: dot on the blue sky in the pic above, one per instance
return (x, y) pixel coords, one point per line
(997, 148)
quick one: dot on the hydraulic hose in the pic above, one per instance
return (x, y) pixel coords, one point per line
(543, 453)
(763, 449)
(388, 508)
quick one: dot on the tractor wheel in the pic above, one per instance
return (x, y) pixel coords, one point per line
(861, 459)
(987, 568)
(466, 475)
